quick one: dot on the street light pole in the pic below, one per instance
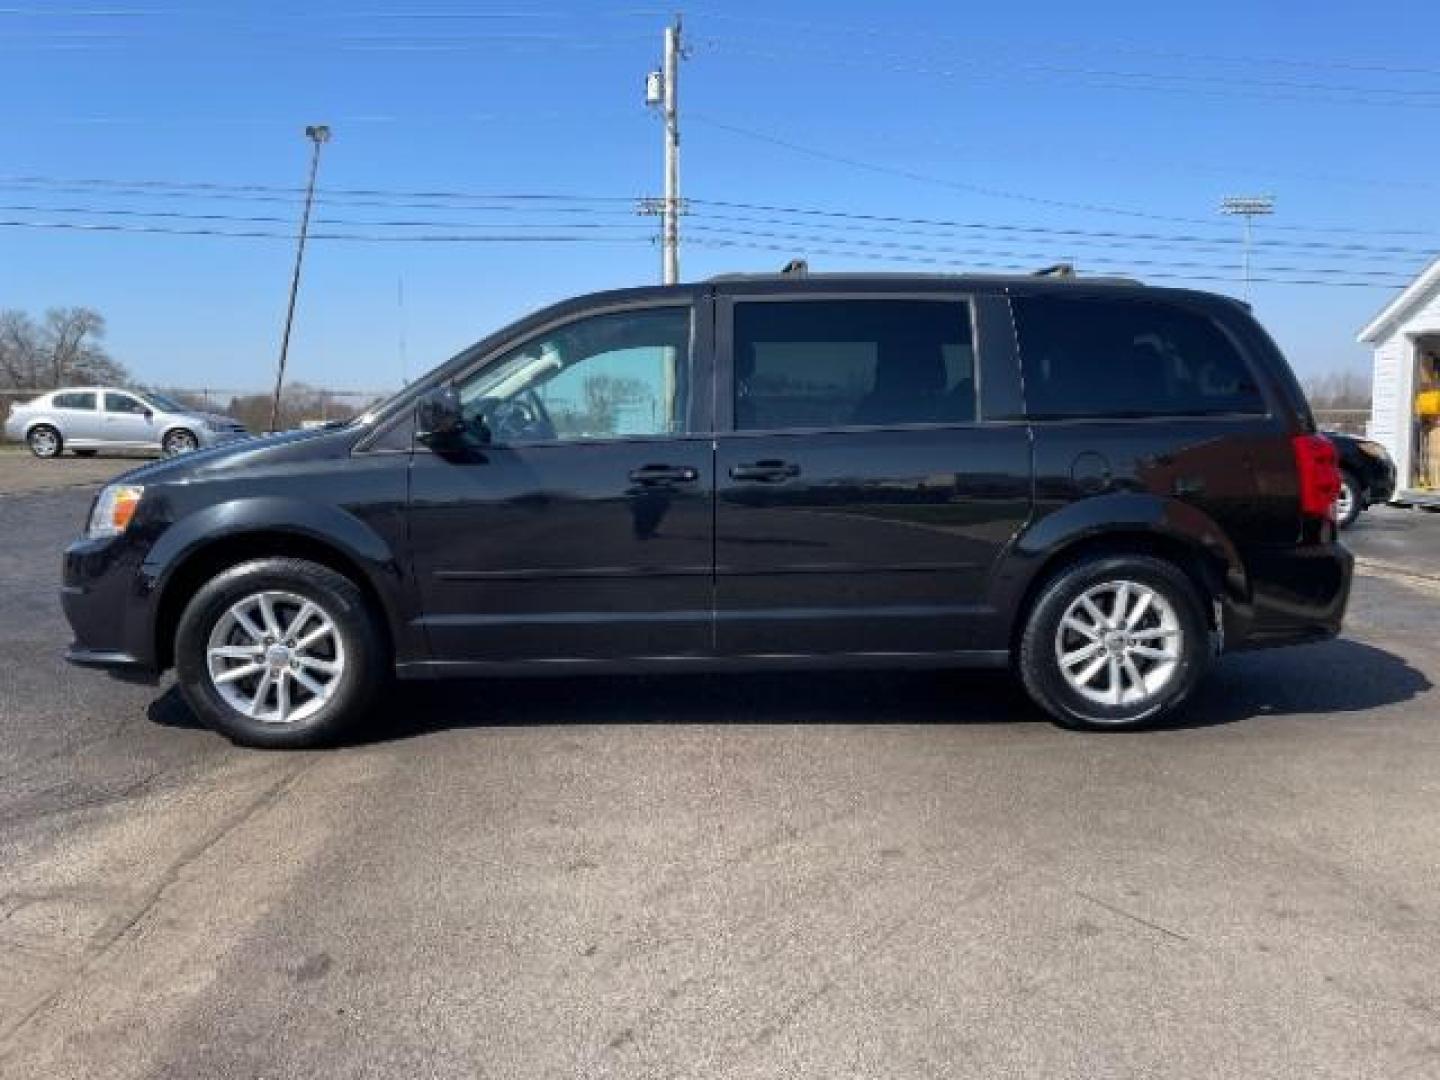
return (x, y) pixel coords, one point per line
(1248, 207)
(319, 135)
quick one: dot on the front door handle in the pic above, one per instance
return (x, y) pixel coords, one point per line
(651, 475)
(765, 472)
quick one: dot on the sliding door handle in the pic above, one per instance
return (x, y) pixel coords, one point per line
(765, 472)
(648, 475)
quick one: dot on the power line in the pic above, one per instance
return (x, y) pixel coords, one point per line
(1002, 194)
(1109, 47)
(270, 219)
(554, 202)
(1076, 237)
(756, 245)
(624, 206)
(210, 186)
(260, 234)
(802, 238)
(1131, 81)
(1008, 234)
(759, 242)
(910, 174)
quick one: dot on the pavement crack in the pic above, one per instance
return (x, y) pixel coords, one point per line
(1113, 909)
(116, 929)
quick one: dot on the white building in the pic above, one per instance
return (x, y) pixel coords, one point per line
(1406, 340)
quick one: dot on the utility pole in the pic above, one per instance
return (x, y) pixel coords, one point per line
(319, 135)
(1248, 207)
(662, 91)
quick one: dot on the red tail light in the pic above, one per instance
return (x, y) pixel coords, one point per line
(1318, 471)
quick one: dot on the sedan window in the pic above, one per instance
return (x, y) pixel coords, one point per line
(123, 403)
(74, 400)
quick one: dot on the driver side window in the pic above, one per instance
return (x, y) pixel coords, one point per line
(617, 375)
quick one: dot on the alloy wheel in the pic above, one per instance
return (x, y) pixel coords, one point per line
(275, 657)
(1119, 643)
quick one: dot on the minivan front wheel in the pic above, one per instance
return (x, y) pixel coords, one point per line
(280, 653)
(1114, 642)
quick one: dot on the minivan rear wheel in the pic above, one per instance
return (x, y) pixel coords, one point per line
(1114, 642)
(279, 653)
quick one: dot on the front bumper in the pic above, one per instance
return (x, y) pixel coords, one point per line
(110, 610)
(1382, 483)
(1297, 595)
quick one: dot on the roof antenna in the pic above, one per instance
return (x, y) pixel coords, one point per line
(795, 268)
(1062, 269)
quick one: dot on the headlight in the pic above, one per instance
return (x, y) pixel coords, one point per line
(113, 510)
(1375, 450)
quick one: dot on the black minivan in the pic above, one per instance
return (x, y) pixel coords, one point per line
(1099, 484)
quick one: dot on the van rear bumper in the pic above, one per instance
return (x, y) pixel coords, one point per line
(1297, 595)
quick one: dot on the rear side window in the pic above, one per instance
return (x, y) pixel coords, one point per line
(73, 401)
(1126, 358)
(845, 363)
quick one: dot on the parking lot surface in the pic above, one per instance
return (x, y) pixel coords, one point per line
(22, 471)
(800, 876)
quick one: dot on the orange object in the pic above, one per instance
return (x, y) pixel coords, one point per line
(1427, 403)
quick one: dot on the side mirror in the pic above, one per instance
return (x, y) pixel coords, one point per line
(439, 420)
(149, 414)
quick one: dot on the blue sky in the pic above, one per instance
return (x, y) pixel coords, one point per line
(1100, 133)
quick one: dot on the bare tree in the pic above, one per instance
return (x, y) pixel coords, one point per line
(63, 349)
(20, 358)
(1338, 390)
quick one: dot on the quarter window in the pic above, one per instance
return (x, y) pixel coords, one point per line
(73, 400)
(618, 375)
(1095, 358)
(845, 363)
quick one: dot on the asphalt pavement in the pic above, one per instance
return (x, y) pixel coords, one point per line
(800, 876)
(1404, 541)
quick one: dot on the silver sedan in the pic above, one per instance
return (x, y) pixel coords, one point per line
(92, 418)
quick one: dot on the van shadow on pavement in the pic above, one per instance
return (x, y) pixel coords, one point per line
(1321, 680)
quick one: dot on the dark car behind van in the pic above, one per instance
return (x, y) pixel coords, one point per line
(1099, 484)
(1367, 476)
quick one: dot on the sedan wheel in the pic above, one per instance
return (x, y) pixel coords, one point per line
(179, 441)
(44, 442)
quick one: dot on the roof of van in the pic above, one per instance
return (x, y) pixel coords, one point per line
(947, 279)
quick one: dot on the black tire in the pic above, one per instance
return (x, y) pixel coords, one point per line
(1352, 498)
(178, 441)
(85, 453)
(363, 673)
(1038, 658)
(45, 441)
